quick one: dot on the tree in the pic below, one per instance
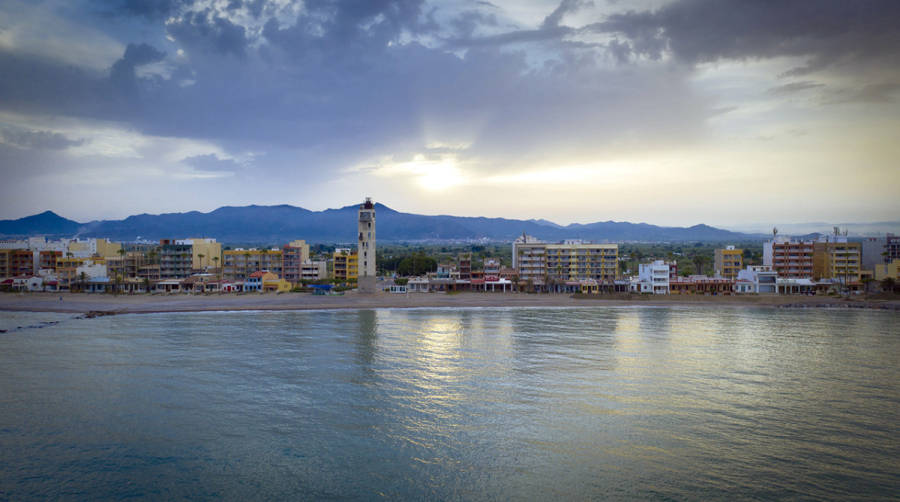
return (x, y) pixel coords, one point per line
(201, 256)
(215, 260)
(888, 285)
(83, 278)
(417, 264)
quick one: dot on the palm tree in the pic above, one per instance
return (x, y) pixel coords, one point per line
(246, 263)
(215, 260)
(83, 278)
(201, 256)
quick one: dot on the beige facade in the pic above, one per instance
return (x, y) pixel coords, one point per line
(545, 263)
(837, 260)
(729, 261)
(888, 270)
(238, 264)
(209, 248)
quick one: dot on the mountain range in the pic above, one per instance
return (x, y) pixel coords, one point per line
(282, 223)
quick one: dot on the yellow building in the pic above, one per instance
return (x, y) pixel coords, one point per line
(107, 249)
(837, 260)
(209, 248)
(276, 285)
(888, 270)
(728, 262)
(94, 247)
(346, 264)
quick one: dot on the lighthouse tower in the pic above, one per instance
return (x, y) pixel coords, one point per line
(366, 250)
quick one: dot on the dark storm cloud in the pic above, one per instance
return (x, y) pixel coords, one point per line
(827, 32)
(336, 80)
(38, 140)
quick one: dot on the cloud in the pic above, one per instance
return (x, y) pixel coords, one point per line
(793, 88)
(208, 30)
(37, 140)
(876, 93)
(828, 33)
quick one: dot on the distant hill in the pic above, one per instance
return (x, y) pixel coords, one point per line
(46, 223)
(269, 224)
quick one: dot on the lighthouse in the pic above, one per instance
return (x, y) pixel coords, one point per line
(366, 249)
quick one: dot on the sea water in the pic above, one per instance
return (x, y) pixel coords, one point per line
(471, 404)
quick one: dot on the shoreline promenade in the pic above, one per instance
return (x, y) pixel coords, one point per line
(134, 304)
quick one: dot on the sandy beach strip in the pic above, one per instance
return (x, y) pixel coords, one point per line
(127, 304)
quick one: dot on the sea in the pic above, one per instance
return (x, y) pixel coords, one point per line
(621, 403)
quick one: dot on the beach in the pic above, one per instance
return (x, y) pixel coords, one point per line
(135, 304)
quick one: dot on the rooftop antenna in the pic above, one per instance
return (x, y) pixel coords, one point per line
(774, 232)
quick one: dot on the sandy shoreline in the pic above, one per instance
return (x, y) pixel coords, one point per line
(132, 304)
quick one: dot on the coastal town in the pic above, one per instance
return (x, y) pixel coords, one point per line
(831, 264)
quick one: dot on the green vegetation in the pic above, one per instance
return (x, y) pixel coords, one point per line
(422, 258)
(692, 258)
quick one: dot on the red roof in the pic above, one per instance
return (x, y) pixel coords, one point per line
(258, 274)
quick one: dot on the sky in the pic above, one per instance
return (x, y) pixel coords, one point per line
(671, 112)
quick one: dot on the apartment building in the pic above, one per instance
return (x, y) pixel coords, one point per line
(240, 263)
(205, 252)
(891, 248)
(654, 277)
(313, 270)
(15, 262)
(572, 260)
(47, 259)
(729, 262)
(888, 270)
(837, 259)
(346, 264)
(464, 265)
(126, 266)
(790, 259)
(175, 260)
(293, 257)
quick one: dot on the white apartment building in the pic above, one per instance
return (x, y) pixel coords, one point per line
(762, 278)
(313, 270)
(654, 277)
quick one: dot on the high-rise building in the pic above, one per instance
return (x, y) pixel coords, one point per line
(837, 259)
(728, 262)
(547, 264)
(345, 264)
(175, 259)
(205, 252)
(366, 247)
(238, 264)
(293, 256)
(790, 259)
